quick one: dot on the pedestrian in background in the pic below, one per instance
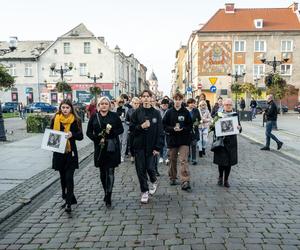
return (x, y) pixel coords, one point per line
(271, 119)
(91, 109)
(195, 115)
(103, 129)
(242, 104)
(218, 107)
(178, 127)
(135, 104)
(202, 97)
(164, 151)
(146, 126)
(66, 120)
(155, 104)
(227, 156)
(122, 111)
(203, 127)
(253, 105)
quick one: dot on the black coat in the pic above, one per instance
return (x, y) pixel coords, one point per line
(151, 138)
(195, 115)
(183, 117)
(68, 160)
(271, 111)
(105, 159)
(227, 155)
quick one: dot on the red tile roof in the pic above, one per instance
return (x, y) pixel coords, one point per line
(274, 19)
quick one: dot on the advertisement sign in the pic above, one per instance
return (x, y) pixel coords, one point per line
(83, 96)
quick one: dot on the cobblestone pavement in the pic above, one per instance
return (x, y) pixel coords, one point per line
(261, 210)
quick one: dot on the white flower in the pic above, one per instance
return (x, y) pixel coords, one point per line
(108, 127)
(220, 114)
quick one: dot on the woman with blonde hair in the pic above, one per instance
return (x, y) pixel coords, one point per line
(203, 127)
(66, 120)
(104, 129)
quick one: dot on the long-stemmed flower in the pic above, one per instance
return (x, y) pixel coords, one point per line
(103, 135)
(213, 121)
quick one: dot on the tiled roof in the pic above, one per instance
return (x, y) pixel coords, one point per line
(79, 31)
(25, 49)
(274, 19)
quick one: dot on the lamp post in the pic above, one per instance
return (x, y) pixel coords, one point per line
(236, 77)
(274, 63)
(95, 78)
(62, 71)
(13, 42)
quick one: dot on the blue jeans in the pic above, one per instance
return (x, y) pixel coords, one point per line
(269, 135)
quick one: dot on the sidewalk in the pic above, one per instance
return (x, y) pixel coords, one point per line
(288, 132)
(26, 170)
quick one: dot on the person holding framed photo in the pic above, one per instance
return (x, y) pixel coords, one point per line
(66, 120)
(103, 129)
(226, 155)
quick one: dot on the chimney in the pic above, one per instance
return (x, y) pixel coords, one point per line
(229, 7)
(101, 38)
(294, 7)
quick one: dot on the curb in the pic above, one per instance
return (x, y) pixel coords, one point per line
(286, 154)
(23, 201)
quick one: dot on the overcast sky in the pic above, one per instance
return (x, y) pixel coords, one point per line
(150, 29)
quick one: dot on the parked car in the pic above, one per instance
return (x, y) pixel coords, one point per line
(262, 105)
(9, 107)
(297, 107)
(40, 107)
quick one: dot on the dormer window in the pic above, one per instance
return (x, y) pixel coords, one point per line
(258, 23)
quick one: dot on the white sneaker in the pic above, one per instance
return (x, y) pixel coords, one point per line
(167, 161)
(145, 197)
(161, 160)
(122, 159)
(153, 188)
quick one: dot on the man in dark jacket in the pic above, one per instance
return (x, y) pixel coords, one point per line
(178, 127)
(146, 124)
(271, 118)
(253, 105)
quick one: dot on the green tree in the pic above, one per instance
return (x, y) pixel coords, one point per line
(236, 89)
(6, 80)
(63, 87)
(95, 91)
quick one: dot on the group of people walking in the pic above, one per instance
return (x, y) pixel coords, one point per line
(152, 132)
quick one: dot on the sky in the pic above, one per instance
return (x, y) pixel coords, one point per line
(150, 29)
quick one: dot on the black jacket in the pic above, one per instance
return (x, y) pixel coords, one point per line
(253, 104)
(183, 117)
(151, 138)
(195, 115)
(228, 155)
(271, 111)
(69, 160)
(106, 159)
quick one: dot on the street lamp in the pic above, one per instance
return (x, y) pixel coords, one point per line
(13, 42)
(236, 77)
(95, 78)
(62, 70)
(274, 63)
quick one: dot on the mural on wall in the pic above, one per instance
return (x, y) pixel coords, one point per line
(215, 58)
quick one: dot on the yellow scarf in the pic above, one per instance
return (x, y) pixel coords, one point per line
(66, 122)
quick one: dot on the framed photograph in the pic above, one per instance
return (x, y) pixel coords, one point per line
(54, 141)
(227, 126)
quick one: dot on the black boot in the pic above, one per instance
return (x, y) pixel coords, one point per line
(220, 181)
(68, 209)
(203, 151)
(108, 200)
(200, 154)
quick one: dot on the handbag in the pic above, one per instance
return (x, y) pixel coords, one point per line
(218, 143)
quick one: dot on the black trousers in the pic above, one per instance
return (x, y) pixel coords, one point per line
(67, 185)
(144, 165)
(107, 177)
(225, 169)
(192, 150)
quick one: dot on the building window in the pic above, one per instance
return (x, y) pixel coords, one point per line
(240, 46)
(55, 51)
(260, 46)
(287, 46)
(99, 51)
(239, 69)
(87, 48)
(83, 69)
(12, 69)
(258, 23)
(258, 70)
(67, 49)
(286, 69)
(28, 69)
(70, 72)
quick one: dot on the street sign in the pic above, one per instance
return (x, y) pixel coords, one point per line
(189, 89)
(213, 89)
(199, 86)
(213, 80)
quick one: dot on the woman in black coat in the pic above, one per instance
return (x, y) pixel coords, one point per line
(227, 156)
(104, 128)
(66, 120)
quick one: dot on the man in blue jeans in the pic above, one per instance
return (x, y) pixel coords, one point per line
(271, 118)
